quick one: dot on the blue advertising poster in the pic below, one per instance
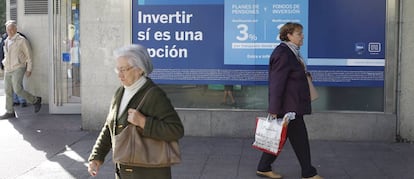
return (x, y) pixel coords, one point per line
(347, 42)
(229, 41)
(252, 27)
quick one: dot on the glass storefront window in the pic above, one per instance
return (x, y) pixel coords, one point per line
(73, 48)
(65, 54)
(255, 98)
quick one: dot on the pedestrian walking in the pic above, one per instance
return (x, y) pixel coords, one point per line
(289, 92)
(154, 118)
(17, 62)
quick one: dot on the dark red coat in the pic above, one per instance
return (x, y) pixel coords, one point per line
(288, 86)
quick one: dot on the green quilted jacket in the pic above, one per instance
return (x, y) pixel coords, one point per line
(162, 121)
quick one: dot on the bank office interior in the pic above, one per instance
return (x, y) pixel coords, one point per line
(64, 88)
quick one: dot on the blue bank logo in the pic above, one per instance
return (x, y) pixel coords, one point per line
(359, 48)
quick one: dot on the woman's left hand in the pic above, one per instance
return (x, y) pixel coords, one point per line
(136, 118)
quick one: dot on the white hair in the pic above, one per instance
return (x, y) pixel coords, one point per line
(137, 56)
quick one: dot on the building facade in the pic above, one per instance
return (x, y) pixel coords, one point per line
(73, 41)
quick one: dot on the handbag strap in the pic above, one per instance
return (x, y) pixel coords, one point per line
(143, 98)
(138, 107)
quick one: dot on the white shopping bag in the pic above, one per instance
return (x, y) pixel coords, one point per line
(270, 135)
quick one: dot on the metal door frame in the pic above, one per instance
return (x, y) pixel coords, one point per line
(57, 91)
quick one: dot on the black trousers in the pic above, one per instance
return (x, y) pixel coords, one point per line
(298, 138)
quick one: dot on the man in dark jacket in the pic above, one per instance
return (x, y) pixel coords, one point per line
(3, 38)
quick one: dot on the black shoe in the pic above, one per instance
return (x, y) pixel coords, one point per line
(38, 104)
(16, 103)
(8, 116)
(23, 105)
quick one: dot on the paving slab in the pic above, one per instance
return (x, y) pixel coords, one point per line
(49, 146)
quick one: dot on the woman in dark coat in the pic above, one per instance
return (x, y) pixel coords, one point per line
(156, 119)
(289, 92)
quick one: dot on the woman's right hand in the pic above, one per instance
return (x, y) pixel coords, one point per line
(273, 116)
(93, 167)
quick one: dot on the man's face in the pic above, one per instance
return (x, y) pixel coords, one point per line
(11, 30)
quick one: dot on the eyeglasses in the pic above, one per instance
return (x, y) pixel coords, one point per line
(122, 70)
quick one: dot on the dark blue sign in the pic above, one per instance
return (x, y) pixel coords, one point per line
(229, 42)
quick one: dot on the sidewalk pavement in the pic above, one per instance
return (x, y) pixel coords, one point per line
(50, 146)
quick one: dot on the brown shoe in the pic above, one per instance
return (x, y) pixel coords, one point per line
(314, 177)
(269, 174)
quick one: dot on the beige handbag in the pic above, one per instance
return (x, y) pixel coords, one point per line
(313, 93)
(131, 148)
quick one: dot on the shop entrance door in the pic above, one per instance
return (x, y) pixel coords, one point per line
(65, 62)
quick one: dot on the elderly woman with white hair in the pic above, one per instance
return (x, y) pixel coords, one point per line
(155, 119)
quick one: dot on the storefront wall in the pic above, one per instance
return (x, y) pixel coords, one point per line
(406, 66)
(105, 26)
(34, 27)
